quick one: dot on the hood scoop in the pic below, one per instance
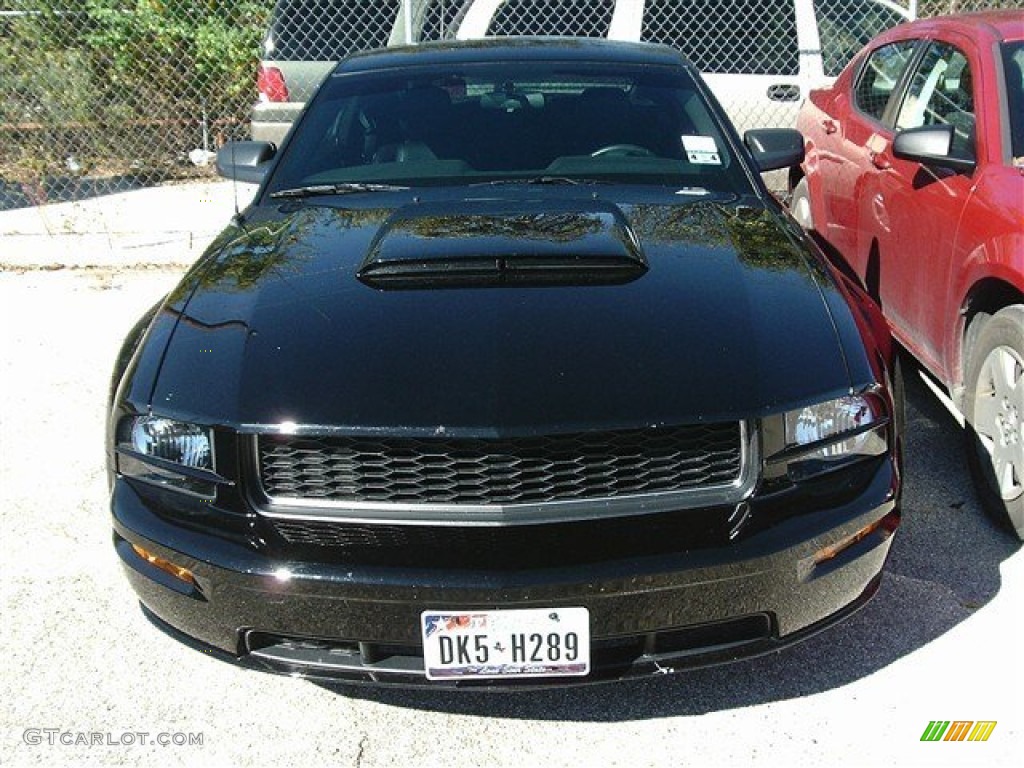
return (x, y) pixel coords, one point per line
(491, 243)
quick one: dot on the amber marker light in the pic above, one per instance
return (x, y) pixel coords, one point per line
(177, 571)
(887, 524)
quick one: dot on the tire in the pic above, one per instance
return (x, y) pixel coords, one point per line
(994, 412)
(800, 205)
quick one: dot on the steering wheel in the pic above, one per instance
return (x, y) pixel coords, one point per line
(627, 150)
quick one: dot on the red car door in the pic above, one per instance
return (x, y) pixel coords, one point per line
(909, 214)
(839, 129)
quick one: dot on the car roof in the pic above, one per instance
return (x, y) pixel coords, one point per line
(493, 49)
(996, 26)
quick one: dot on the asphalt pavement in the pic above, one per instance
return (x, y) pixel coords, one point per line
(87, 680)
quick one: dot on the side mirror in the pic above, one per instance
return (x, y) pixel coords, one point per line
(775, 148)
(245, 160)
(930, 145)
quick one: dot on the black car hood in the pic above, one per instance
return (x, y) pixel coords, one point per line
(708, 312)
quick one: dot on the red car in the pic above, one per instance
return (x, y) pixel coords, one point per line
(914, 175)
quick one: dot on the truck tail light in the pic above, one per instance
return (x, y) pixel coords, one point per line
(270, 84)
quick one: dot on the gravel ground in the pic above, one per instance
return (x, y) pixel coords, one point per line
(83, 665)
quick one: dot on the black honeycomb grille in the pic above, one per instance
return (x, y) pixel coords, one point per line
(500, 471)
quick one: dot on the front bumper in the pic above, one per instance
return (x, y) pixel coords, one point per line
(648, 615)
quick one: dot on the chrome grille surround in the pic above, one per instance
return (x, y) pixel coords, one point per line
(315, 475)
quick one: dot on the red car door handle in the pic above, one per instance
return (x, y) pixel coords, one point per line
(879, 161)
(829, 125)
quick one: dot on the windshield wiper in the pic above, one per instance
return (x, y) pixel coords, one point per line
(342, 188)
(553, 180)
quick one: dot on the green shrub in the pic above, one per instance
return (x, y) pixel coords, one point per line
(124, 84)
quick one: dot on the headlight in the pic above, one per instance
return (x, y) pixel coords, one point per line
(170, 440)
(169, 453)
(827, 435)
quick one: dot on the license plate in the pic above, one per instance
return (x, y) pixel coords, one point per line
(536, 642)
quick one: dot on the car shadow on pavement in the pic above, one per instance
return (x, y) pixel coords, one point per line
(928, 588)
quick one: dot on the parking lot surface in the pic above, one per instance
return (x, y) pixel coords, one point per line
(88, 680)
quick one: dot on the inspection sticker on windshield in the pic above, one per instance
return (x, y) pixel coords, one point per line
(701, 150)
(536, 642)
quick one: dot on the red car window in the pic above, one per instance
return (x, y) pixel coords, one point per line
(880, 76)
(941, 93)
(1013, 63)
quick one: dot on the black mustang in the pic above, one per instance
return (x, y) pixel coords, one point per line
(512, 372)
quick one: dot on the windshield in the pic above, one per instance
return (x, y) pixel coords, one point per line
(475, 123)
(1013, 64)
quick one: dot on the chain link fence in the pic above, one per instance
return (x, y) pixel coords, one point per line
(107, 95)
